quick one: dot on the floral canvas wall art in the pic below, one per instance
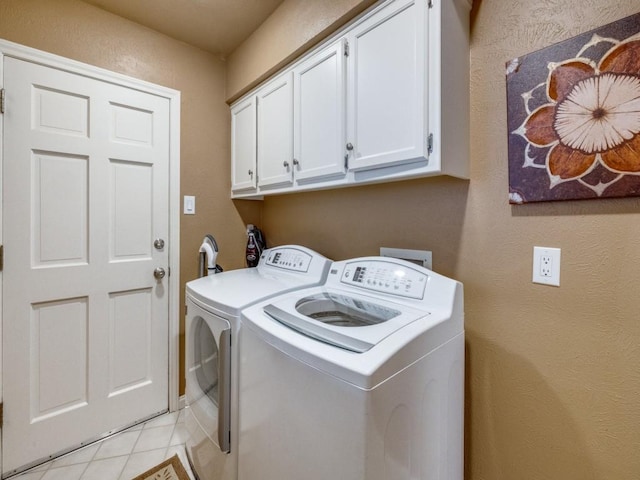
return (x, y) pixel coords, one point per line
(573, 112)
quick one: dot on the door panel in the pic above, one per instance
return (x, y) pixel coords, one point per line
(243, 146)
(387, 125)
(58, 343)
(85, 323)
(60, 112)
(275, 132)
(131, 125)
(320, 115)
(59, 221)
(131, 206)
(130, 345)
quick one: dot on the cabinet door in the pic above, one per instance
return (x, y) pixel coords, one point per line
(387, 85)
(243, 145)
(320, 115)
(275, 132)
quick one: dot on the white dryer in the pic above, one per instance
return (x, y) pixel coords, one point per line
(212, 326)
(359, 379)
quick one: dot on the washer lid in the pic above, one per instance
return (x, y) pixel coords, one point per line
(229, 292)
(281, 269)
(352, 322)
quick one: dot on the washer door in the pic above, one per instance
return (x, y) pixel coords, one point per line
(209, 372)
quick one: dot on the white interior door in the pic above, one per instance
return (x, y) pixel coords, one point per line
(85, 322)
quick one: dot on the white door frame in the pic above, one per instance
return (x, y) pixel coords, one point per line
(15, 50)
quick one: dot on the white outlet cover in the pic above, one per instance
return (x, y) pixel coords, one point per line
(546, 266)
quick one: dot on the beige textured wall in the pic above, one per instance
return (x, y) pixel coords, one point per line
(76, 30)
(294, 27)
(553, 376)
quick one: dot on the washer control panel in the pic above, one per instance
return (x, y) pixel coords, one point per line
(289, 259)
(387, 277)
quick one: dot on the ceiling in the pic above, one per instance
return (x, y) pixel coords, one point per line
(217, 26)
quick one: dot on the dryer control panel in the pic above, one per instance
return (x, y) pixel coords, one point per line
(288, 258)
(385, 276)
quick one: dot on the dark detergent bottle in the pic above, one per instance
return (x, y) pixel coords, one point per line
(255, 245)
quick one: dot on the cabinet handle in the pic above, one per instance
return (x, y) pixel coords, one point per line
(296, 162)
(250, 173)
(349, 146)
(285, 164)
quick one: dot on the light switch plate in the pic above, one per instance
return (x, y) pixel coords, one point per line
(189, 205)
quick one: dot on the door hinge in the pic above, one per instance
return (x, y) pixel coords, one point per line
(1, 414)
(430, 144)
(1, 100)
(346, 49)
(1, 262)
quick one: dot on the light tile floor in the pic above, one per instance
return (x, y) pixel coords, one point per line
(121, 456)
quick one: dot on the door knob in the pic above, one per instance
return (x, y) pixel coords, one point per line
(159, 273)
(158, 244)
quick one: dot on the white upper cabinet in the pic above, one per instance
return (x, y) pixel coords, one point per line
(384, 99)
(319, 115)
(243, 142)
(275, 132)
(387, 104)
(301, 122)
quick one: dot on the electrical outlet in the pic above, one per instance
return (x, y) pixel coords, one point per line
(546, 266)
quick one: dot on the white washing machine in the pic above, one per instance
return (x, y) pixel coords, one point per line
(212, 326)
(359, 379)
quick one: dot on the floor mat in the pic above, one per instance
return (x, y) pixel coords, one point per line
(170, 469)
